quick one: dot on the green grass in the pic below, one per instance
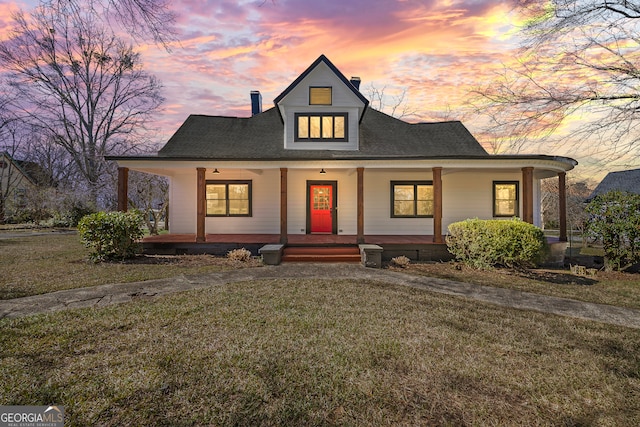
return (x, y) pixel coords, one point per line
(320, 352)
(41, 264)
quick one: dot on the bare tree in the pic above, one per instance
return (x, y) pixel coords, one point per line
(145, 19)
(80, 85)
(150, 195)
(580, 59)
(395, 105)
(577, 193)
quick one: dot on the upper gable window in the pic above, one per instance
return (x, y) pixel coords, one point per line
(320, 96)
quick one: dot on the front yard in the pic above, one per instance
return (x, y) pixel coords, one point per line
(312, 352)
(35, 265)
(320, 352)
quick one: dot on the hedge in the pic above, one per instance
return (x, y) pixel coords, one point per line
(490, 243)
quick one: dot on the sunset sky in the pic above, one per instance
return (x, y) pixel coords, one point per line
(436, 50)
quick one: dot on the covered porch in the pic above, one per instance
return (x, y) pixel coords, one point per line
(415, 247)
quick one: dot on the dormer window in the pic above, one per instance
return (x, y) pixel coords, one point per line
(320, 96)
(321, 127)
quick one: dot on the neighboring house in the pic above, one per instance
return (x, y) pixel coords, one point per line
(321, 162)
(17, 179)
(628, 181)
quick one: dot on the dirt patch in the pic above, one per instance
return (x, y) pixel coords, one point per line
(460, 272)
(189, 261)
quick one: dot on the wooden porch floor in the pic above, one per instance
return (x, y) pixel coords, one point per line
(293, 239)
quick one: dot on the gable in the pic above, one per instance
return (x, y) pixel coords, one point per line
(331, 71)
(321, 109)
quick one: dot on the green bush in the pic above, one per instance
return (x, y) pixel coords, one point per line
(489, 243)
(614, 219)
(111, 235)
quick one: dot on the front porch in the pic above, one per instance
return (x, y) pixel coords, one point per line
(420, 248)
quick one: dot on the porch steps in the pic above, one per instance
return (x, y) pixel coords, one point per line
(321, 254)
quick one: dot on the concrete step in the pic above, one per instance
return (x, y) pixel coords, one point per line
(321, 254)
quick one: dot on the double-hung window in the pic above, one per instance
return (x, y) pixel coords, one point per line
(411, 199)
(505, 198)
(228, 198)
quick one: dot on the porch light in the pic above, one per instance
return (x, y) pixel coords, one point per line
(322, 171)
(216, 171)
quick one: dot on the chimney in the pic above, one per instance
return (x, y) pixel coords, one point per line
(256, 102)
(355, 81)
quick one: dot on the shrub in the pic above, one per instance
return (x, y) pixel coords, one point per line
(401, 261)
(615, 220)
(241, 255)
(489, 243)
(111, 235)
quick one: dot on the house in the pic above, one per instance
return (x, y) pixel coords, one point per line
(17, 179)
(321, 166)
(628, 181)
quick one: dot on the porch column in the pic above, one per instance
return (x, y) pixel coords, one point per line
(283, 205)
(201, 206)
(123, 189)
(437, 205)
(562, 203)
(360, 211)
(527, 194)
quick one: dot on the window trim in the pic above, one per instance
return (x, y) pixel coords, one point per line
(517, 199)
(321, 87)
(321, 115)
(415, 201)
(226, 183)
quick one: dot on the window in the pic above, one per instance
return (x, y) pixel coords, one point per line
(228, 198)
(321, 127)
(505, 198)
(320, 96)
(413, 199)
(20, 198)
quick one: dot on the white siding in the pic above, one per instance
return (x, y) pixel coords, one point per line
(182, 202)
(470, 194)
(297, 199)
(377, 204)
(465, 194)
(343, 101)
(265, 217)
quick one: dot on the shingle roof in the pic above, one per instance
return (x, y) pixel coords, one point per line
(261, 137)
(628, 180)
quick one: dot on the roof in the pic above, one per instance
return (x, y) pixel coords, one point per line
(628, 180)
(261, 137)
(30, 170)
(334, 69)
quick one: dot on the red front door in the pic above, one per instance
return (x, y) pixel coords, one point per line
(321, 208)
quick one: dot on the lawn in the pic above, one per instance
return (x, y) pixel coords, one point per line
(308, 352)
(35, 265)
(320, 352)
(41, 264)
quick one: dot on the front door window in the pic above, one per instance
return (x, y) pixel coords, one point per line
(321, 208)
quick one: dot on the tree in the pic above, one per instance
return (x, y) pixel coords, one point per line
(149, 194)
(80, 85)
(615, 220)
(395, 105)
(141, 18)
(577, 193)
(579, 59)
